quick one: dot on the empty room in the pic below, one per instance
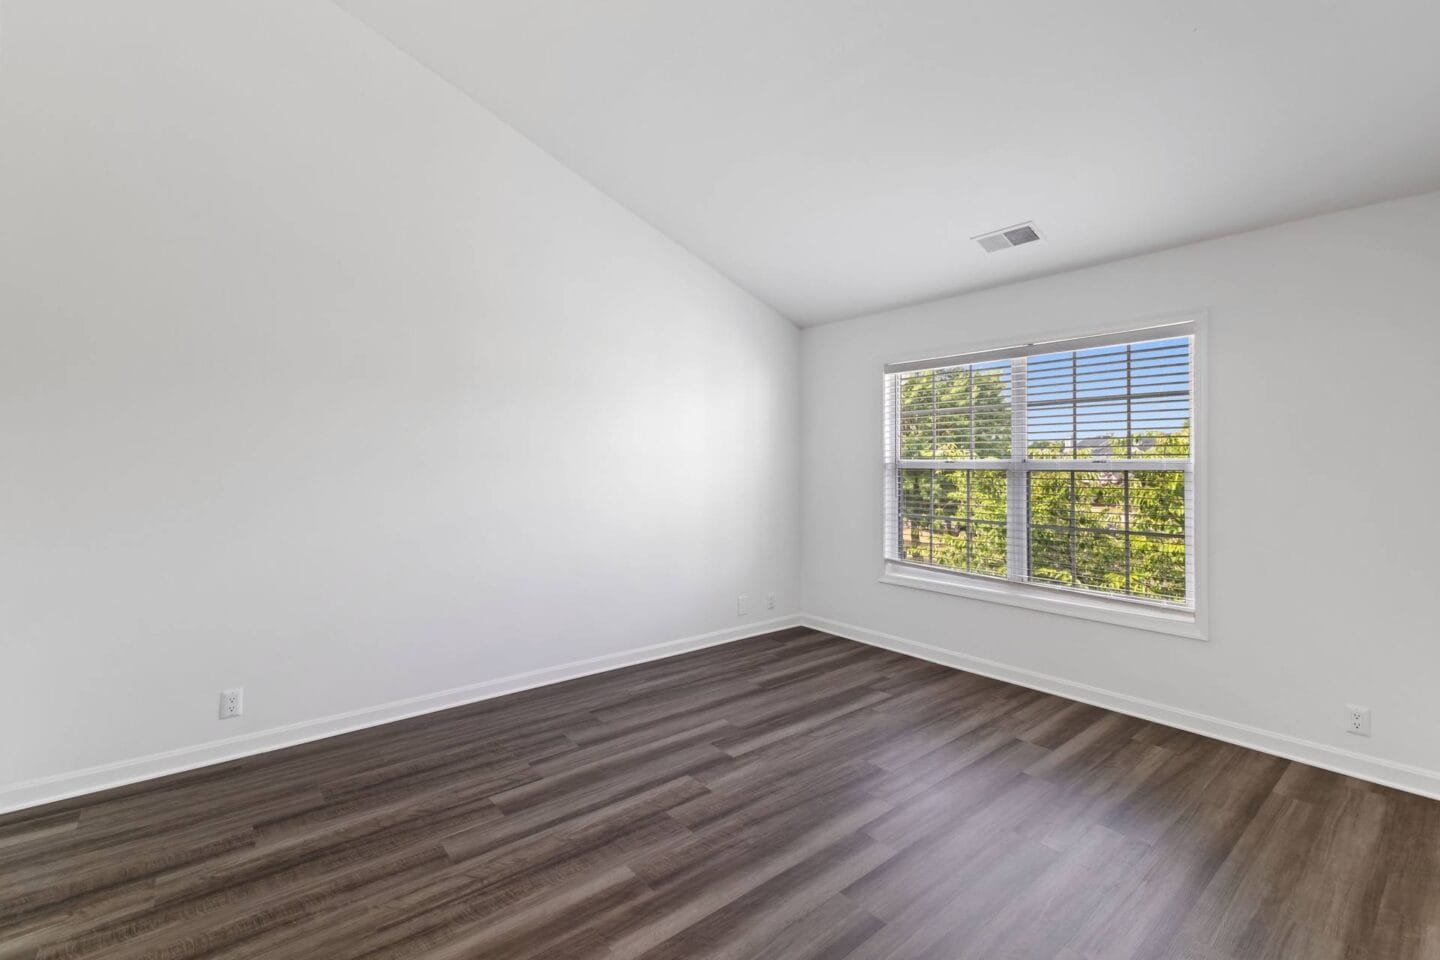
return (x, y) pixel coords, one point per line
(676, 480)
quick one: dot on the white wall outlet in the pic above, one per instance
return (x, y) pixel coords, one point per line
(742, 605)
(232, 703)
(769, 601)
(1357, 720)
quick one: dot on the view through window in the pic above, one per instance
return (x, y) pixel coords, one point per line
(1065, 464)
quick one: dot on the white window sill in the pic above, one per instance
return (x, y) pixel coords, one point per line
(1174, 623)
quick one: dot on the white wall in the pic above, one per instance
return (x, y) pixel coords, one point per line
(1323, 338)
(318, 379)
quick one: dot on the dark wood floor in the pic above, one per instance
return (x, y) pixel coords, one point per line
(790, 796)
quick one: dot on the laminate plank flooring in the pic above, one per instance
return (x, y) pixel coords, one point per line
(789, 797)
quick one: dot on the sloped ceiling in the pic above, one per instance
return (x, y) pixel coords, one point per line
(835, 157)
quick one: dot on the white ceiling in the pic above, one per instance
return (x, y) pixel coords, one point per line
(834, 157)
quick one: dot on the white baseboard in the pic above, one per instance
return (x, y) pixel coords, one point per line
(32, 793)
(1387, 773)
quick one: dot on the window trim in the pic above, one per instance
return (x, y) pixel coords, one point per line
(1138, 613)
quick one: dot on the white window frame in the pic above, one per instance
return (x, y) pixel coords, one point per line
(1165, 618)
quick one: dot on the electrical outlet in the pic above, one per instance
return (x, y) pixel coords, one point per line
(769, 601)
(1357, 720)
(232, 703)
(742, 605)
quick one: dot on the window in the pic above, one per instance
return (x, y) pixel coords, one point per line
(1064, 466)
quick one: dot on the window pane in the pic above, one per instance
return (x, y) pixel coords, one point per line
(914, 510)
(1157, 501)
(954, 519)
(988, 549)
(987, 495)
(947, 539)
(1049, 555)
(1100, 561)
(1157, 567)
(1112, 531)
(915, 493)
(916, 414)
(1100, 501)
(1113, 402)
(990, 410)
(915, 539)
(955, 413)
(1050, 499)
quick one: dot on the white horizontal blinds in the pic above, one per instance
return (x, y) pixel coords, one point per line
(1123, 530)
(1117, 402)
(955, 413)
(946, 516)
(954, 519)
(891, 504)
(1113, 531)
(1067, 466)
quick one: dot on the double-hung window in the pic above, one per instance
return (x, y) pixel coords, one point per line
(1063, 466)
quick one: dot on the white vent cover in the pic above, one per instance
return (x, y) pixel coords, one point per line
(1009, 237)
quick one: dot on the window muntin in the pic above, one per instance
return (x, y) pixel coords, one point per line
(1067, 465)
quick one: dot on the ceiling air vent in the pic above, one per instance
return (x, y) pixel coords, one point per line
(1007, 238)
